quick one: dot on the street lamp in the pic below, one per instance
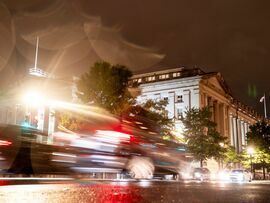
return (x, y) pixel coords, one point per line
(250, 151)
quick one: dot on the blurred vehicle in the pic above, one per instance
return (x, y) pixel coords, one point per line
(102, 143)
(126, 150)
(240, 175)
(132, 147)
(24, 150)
(201, 174)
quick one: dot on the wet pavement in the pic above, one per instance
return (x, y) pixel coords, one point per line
(67, 190)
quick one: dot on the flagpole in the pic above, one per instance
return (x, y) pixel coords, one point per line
(36, 56)
(264, 104)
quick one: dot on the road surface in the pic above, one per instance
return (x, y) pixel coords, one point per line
(74, 191)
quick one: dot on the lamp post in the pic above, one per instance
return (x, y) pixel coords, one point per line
(250, 151)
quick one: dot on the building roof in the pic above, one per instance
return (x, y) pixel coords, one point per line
(171, 73)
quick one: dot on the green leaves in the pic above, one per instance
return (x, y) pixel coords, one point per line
(259, 136)
(156, 111)
(106, 86)
(153, 113)
(201, 136)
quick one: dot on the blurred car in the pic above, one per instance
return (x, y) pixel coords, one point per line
(132, 147)
(129, 150)
(201, 174)
(240, 175)
(25, 150)
(102, 143)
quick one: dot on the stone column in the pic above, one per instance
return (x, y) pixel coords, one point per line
(202, 100)
(231, 131)
(235, 140)
(227, 121)
(222, 118)
(216, 114)
(205, 99)
(211, 106)
(246, 131)
(171, 105)
(186, 98)
(239, 134)
(243, 134)
(195, 98)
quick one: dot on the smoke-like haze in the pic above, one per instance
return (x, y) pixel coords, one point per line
(70, 40)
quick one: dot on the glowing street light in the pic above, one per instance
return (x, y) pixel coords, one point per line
(33, 98)
(250, 151)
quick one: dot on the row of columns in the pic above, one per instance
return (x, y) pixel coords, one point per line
(239, 129)
(219, 113)
(228, 125)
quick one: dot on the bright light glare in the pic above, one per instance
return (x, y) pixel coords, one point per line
(186, 175)
(34, 98)
(213, 176)
(224, 175)
(197, 175)
(145, 183)
(250, 150)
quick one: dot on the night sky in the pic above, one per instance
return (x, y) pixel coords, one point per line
(229, 36)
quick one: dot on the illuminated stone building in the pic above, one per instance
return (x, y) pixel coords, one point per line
(187, 88)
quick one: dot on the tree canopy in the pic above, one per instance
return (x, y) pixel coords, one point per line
(259, 135)
(259, 139)
(106, 86)
(154, 114)
(231, 156)
(202, 138)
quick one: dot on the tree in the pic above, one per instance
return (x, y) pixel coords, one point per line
(106, 86)
(153, 113)
(259, 135)
(259, 138)
(231, 156)
(69, 121)
(201, 136)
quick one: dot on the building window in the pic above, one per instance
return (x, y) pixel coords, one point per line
(139, 80)
(179, 98)
(178, 74)
(163, 77)
(179, 113)
(150, 78)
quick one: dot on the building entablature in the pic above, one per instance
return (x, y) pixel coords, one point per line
(246, 111)
(166, 75)
(177, 85)
(214, 86)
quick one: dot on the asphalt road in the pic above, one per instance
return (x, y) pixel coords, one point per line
(79, 191)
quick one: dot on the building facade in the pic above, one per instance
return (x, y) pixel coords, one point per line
(187, 88)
